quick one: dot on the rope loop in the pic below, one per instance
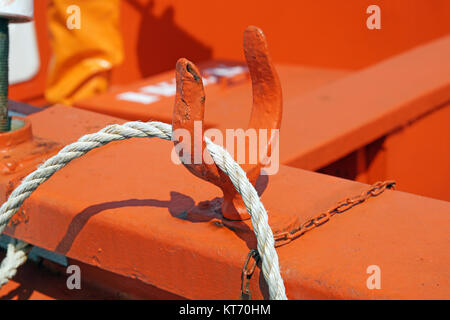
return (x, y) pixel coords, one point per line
(138, 129)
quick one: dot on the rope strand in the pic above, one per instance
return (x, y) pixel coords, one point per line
(137, 129)
(16, 255)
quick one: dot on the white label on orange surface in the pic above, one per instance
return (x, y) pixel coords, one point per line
(209, 80)
(152, 93)
(225, 71)
(166, 89)
(137, 97)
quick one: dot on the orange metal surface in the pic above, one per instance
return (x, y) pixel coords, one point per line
(266, 115)
(151, 220)
(326, 122)
(21, 152)
(358, 109)
(45, 280)
(331, 34)
(418, 155)
(227, 86)
(33, 282)
(141, 226)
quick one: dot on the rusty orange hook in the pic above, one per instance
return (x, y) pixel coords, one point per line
(266, 114)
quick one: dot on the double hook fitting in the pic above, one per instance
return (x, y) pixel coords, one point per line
(266, 114)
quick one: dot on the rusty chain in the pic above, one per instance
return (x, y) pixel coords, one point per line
(342, 206)
(247, 273)
(286, 237)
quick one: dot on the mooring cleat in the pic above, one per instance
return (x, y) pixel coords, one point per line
(266, 114)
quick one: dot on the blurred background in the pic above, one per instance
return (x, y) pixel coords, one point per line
(141, 38)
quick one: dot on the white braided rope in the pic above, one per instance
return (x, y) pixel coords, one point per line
(16, 255)
(75, 150)
(115, 132)
(259, 217)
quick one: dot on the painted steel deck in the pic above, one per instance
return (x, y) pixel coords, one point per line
(152, 220)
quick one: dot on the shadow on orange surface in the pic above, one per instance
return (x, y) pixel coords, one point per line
(179, 206)
(161, 40)
(47, 281)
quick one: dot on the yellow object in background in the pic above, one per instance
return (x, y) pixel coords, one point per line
(86, 43)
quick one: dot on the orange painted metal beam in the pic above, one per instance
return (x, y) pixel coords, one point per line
(45, 280)
(322, 125)
(418, 155)
(356, 110)
(329, 115)
(33, 282)
(128, 209)
(227, 87)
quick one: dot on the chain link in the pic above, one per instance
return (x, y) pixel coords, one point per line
(342, 206)
(286, 237)
(247, 273)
